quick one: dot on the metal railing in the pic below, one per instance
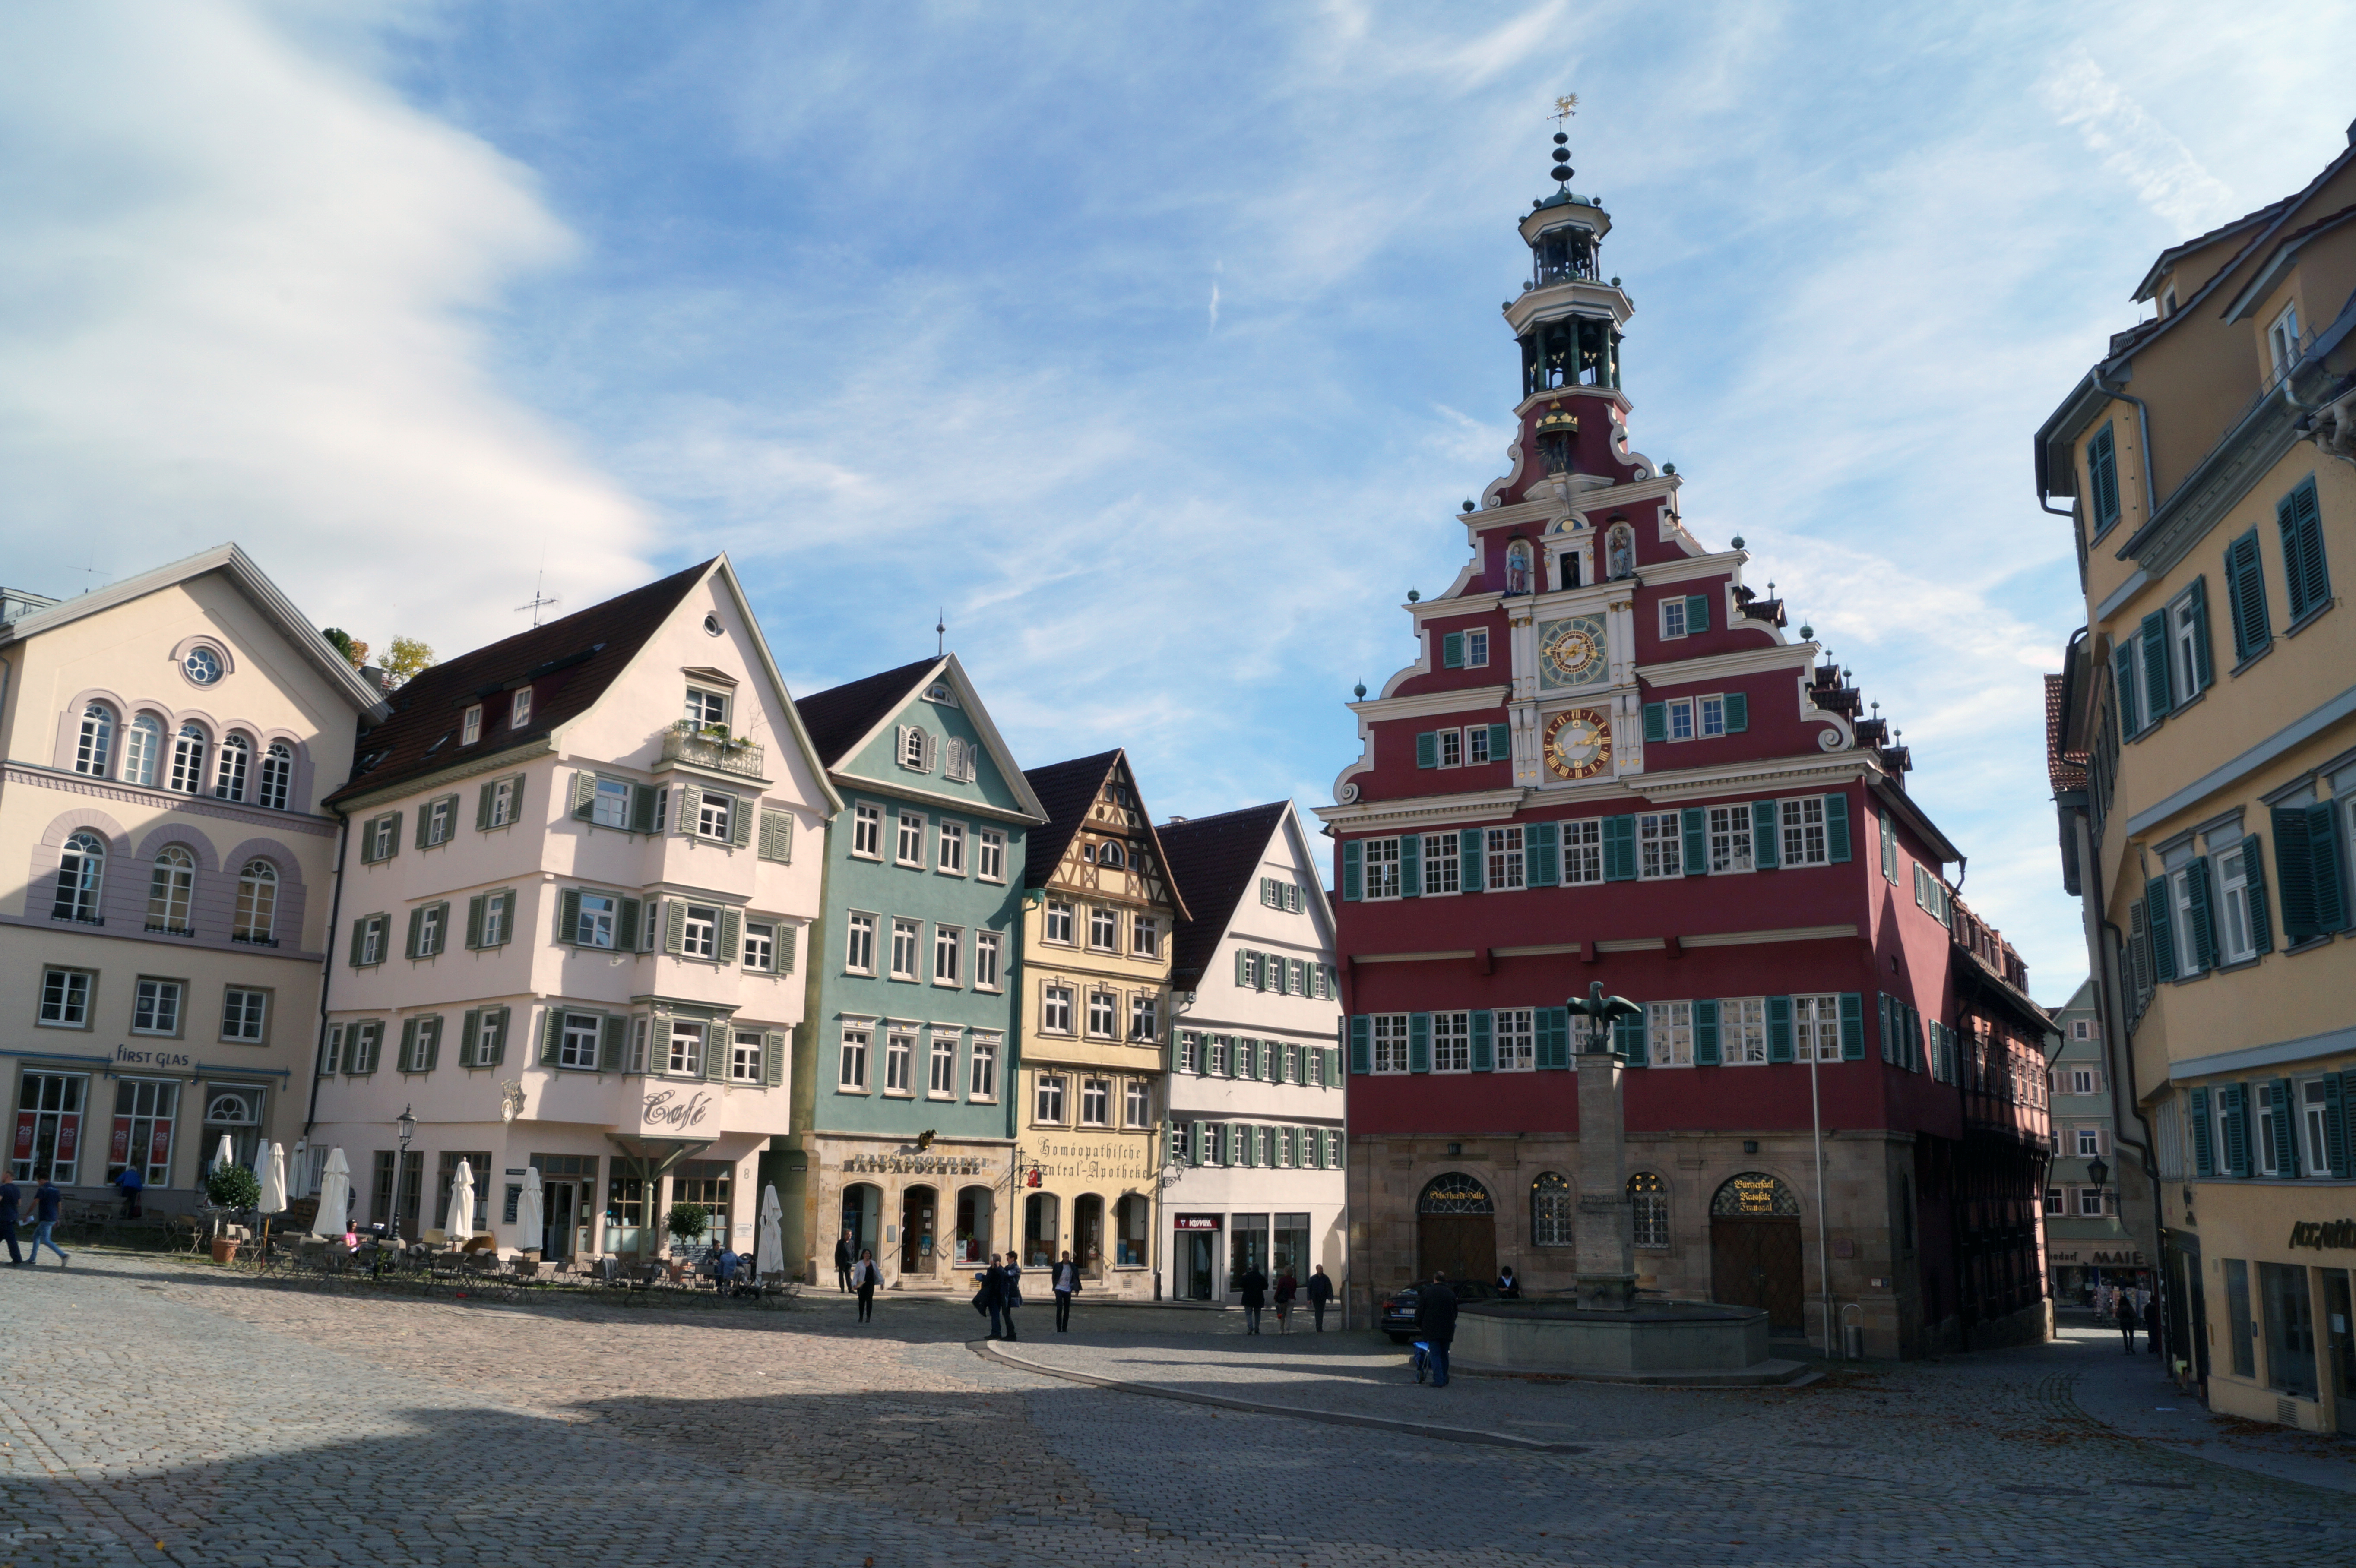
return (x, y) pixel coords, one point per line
(686, 743)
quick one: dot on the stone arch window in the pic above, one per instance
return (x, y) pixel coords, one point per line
(1550, 1212)
(235, 769)
(277, 776)
(1648, 1203)
(142, 748)
(1754, 1192)
(94, 753)
(171, 890)
(1453, 1193)
(82, 874)
(188, 761)
(256, 918)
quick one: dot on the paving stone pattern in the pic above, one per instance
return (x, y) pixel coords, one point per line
(162, 1410)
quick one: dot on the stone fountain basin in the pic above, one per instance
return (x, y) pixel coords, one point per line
(1665, 1341)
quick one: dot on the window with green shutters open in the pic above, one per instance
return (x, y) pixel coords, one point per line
(2245, 601)
(1685, 616)
(2309, 874)
(490, 918)
(1472, 745)
(604, 801)
(483, 1037)
(1465, 650)
(2307, 576)
(2102, 481)
(1701, 718)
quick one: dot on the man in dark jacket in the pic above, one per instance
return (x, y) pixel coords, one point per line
(1321, 1291)
(1013, 1292)
(993, 1297)
(12, 1198)
(129, 1182)
(1065, 1281)
(1435, 1319)
(842, 1261)
(1253, 1288)
(2126, 1317)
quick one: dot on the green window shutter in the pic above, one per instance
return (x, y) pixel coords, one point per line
(2336, 1141)
(2246, 596)
(1890, 853)
(716, 1048)
(1411, 865)
(424, 816)
(1766, 839)
(2103, 480)
(2204, 916)
(1779, 1029)
(407, 1060)
(691, 803)
(1484, 1048)
(1737, 712)
(1542, 854)
(2154, 637)
(731, 924)
(474, 920)
(786, 935)
(515, 797)
(1354, 874)
(1657, 721)
(568, 915)
(1697, 613)
(359, 937)
(1852, 1027)
(2204, 670)
(1426, 749)
(1705, 1020)
(1697, 836)
(393, 840)
(2122, 681)
(2283, 1130)
(585, 794)
(1362, 1046)
(2204, 1158)
(442, 926)
(1888, 1027)
(2294, 874)
(2304, 571)
(1632, 1041)
(674, 926)
(2160, 922)
(1243, 968)
(610, 1031)
(2253, 867)
(1554, 1037)
(1501, 743)
(1837, 829)
(2323, 842)
(773, 1057)
(1470, 863)
(551, 1035)
(740, 823)
(1197, 1151)
(642, 809)
(482, 807)
(1913, 1041)
(1419, 1042)
(626, 925)
(2233, 1111)
(416, 923)
(1619, 848)
(774, 827)
(1451, 650)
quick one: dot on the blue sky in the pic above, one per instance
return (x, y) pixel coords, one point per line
(1155, 346)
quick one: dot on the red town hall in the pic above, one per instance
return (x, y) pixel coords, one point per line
(1611, 763)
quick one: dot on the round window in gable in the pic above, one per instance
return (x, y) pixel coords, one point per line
(711, 625)
(202, 665)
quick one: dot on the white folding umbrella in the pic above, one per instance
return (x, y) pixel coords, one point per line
(528, 1221)
(270, 1163)
(335, 1196)
(769, 1254)
(226, 1154)
(461, 1221)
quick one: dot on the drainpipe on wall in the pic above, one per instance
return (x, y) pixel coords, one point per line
(327, 972)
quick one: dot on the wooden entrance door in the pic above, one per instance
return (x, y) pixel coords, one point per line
(1755, 1260)
(916, 1243)
(1463, 1246)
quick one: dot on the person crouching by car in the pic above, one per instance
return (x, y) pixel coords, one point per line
(1435, 1319)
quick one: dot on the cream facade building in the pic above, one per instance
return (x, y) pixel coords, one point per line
(580, 865)
(170, 742)
(2210, 457)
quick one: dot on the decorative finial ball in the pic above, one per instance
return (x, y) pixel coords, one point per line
(1560, 140)
(1536, 202)
(1615, 283)
(1413, 597)
(1669, 468)
(1468, 506)
(1361, 690)
(1738, 544)
(1808, 633)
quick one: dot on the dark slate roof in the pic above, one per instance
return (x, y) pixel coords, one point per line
(1213, 860)
(1064, 790)
(839, 715)
(569, 663)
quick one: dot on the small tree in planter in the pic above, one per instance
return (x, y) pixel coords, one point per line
(231, 1186)
(688, 1221)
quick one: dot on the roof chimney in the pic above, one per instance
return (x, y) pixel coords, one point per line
(374, 675)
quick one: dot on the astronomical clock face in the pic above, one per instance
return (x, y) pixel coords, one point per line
(1570, 652)
(1578, 743)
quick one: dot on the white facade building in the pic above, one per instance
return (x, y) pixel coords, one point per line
(1255, 1176)
(579, 866)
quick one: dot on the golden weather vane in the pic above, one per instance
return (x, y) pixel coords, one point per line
(1564, 108)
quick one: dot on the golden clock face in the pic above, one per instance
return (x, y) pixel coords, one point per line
(1573, 651)
(1578, 743)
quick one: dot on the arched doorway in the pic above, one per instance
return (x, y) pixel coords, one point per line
(1042, 1220)
(1754, 1248)
(863, 1218)
(1087, 1234)
(1455, 1228)
(917, 1247)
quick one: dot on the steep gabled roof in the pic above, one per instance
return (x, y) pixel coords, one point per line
(1213, 860)
(840, 717)
(1065, 790)
(569, 663)
(2166, 259)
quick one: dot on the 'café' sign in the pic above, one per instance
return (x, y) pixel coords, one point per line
(670, 1108)
(2338, 1234)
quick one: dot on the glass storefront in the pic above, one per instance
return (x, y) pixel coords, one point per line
(1290, 1252)
(48, 1127)
(1247, 1247)
(1194, 1266)
(144, 1108)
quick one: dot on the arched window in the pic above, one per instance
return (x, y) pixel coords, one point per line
(80, 870)
(143, 745)
(257, 903)
(171, 890)
(1454, 1193)
(1517, 567)
(1648, 1198)
(1550, 1212)
(278, 775)
(1110, 856)
(97, 747)
(188, 761)
(236, 761)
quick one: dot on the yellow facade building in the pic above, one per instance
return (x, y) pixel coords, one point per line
(1098, 913)
(2204, 741)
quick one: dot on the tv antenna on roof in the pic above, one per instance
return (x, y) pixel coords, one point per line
(539, 600)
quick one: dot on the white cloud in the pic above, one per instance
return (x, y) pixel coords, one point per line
(2135, 147)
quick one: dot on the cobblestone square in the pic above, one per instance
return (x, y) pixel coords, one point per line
(160, 1409)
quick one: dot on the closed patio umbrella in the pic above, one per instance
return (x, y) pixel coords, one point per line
(335, 1196)
(529, 1222)
(461, 1221)
(769, 1253)
(226, 1154)
(269, 1168)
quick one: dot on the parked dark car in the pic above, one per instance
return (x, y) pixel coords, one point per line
(1399, 1312)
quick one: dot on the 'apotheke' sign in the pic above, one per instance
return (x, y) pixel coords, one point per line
(2337, 1234)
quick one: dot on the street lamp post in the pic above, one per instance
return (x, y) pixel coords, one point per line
(406, 1129)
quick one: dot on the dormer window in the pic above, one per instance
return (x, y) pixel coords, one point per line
(471, 727)
(2282, 337)
(1110, 855)
(520, 708)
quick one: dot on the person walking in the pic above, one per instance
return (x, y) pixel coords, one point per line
(1435, 1319)
(864, 1277)
(1013, 1292)
(1286, 1288)
(1066, 1281)
(12, 1200)
(2125, 1313)
(991, 1298)
(45, 1198)
(1253, 1287)
(1321, 1291)
(129, 1182)
(842, 1262)
(2151, 1335)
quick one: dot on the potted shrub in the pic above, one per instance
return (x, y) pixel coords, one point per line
(688, 1221)
(230, 1187)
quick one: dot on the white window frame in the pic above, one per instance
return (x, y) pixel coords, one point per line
(907, 947)
(1379, 861)
(2189, 961)
(1452, 747)
(866, 831)
(990, 861)
(1144, 936)
(2090, 1203)
(1137, 1104)
(1668, 1034)
(1742, 1031)
(982, 1069)
(1096, 1102)
(1144, 1018)
(1513, 1031)
(1798, 819)
(684, 1047)
(950, 861)
(1476, 745)
(1443, 871)
(940, 1075)
(1476, 648)
(948, 956)
(1390, 1042)
(2314, 1139)
(470, 725)
(596, 926)
(609, 803)
(1729, 840)
(706, 708)
(1815, 1024)
(900, 1063)
(760, 954)
(502, 812)
(1582, 851)
(1104, 1014)
(1056, 921)
(700, 930)
(851, 1072)
(1451, 1042)
(715, 816)
(745, 1046)
(162, 1003)
(1709, 716)
(577, 1040)
(859, 943)
(519, 708)
(1660, 846)
(2281, 339)
(2236, 942)
(1104, 929)
(989, 973)
(1680, 717)
(1506, 865)
(908, 839)
(72, 1005)
(1055, 1010)
(1673, 616)
(1048, 1099)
